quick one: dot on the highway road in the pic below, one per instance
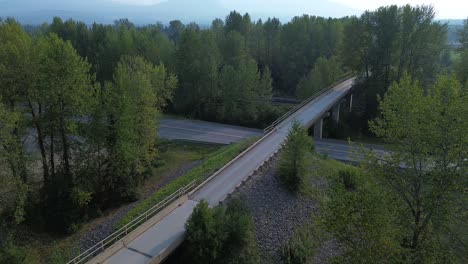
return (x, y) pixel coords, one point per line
(146, 246)
(202, 131)
(215, 133)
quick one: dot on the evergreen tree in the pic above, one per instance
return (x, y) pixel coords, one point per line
(292, 166)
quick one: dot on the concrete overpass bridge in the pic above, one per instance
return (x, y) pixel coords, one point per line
(158, 236)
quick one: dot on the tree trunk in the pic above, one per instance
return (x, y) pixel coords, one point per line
(52, 155)
(66, 154)
(40, 140)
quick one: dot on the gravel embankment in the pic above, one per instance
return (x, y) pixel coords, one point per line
(105, 226)
(277, 213)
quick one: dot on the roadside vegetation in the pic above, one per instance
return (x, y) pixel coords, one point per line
(223, 234)
(407, 207)
(292, 164)
(210, 165)
(26, 245)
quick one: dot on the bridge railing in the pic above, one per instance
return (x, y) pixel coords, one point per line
(308, 100)
(132, 225)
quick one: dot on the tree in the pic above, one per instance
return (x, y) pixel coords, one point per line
(197, 61)
(427, 129)
(359, 213)
(461, 66)
(55, 103)
(139, 91)
(292, 166)
(221, 235)
(62, 96)
(9, 179)
(244, 92)
(324, 73)
(16, 66)
(174, 31)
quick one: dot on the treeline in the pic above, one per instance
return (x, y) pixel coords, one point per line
(226, 72)
(382, 45)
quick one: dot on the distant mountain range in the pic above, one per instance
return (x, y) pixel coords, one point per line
(200, 11)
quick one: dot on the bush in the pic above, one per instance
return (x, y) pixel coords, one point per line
(12, 254)
(220, 235)
(300, 248)
(348, 177)
(292, 167)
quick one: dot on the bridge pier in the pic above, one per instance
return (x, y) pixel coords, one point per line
(318, 128)
(350, 102)
(336, 112)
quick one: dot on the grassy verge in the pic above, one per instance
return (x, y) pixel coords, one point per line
(212, 163)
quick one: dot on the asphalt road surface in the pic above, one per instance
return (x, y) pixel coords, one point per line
(146, 246)
(207, 132)
(201, 131)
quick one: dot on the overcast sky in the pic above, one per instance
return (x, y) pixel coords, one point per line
(444, 8)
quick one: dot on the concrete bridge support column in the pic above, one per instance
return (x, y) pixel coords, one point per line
(336, 112)
(350, 102)
(318, 128)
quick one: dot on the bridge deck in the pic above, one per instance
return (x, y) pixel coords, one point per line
(155, 241)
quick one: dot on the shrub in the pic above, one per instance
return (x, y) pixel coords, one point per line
(300, 248)
(10, 253)
(348, 177)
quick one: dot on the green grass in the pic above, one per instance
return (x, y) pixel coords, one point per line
(211, 164)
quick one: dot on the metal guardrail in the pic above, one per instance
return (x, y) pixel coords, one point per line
(132, 225)
(308, 100)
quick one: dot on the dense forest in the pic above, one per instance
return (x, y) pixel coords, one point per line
(79, 103)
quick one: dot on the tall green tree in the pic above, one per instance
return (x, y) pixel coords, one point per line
(292, 162)
(198, 61)
(133, 102)
(427, 129)
(16, 71)
(461, 66)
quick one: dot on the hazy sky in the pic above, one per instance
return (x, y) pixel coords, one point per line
(444, 8)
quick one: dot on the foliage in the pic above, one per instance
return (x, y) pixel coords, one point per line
(428, 128)
(324, 73)
(221, 235)
(461, 66)
(212, 163)
(292, 169)
(132, 104)
(381, 45)
(301, 247)
(362, 219)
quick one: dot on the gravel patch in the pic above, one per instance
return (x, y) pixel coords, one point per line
(277, 213)
(105, 226)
